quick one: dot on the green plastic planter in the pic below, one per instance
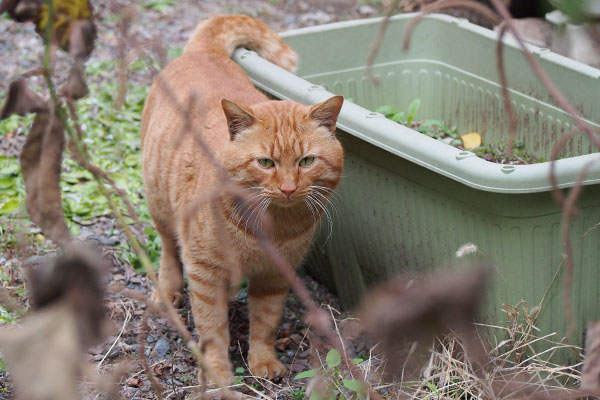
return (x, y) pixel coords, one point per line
(408, 202)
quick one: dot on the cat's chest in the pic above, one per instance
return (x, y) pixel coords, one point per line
(253, 258)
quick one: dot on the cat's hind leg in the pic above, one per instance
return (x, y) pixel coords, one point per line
(170, 273)
(208, 285)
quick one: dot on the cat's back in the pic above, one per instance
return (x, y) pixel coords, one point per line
(183, 111)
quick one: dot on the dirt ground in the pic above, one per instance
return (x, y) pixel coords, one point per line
(169, 358)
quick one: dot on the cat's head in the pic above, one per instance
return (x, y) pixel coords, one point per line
(286, 151)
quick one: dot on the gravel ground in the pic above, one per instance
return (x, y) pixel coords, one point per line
(169, 358)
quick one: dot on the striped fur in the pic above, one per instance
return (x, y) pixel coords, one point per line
(215, 241)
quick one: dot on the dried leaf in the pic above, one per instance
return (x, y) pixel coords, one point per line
(76, 87)
(471, 140)
(41, 163)
(64, 14)
(40, 160)
(405, 314)
(45, 352)
(76, 277)
(590, 380)
(22, 100)
(21, 10)
(81, 39)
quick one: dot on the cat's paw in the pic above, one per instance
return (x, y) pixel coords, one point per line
(175, 298)
(222, 370)
(268, 368)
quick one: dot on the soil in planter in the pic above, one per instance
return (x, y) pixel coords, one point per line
(494, 152)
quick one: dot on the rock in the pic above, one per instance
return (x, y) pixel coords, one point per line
(315, 17)
(150, 339)
(366, 10)
(162, 347)
(289, 20)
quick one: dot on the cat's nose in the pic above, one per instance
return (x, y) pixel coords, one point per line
(288, 188)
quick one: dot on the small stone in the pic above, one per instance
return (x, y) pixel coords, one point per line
(316, 17)
(162, 347)
(289, 20)
(366, 9)
(150, 339)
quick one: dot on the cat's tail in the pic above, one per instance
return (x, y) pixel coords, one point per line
(224, 33)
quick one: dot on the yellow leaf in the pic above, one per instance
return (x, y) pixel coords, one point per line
(471, 140)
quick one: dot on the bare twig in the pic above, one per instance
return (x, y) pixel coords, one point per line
(512, 119)
(125, 322)
(144, 360)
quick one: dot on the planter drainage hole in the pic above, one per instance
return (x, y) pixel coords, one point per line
(374, 115)
(507, 169)
(464, 154)
(246, 53)
(315, 87)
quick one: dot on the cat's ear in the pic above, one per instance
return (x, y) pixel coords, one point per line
(326, 113)
(238, 119)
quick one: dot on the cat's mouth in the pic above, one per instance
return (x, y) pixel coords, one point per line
(286, 202)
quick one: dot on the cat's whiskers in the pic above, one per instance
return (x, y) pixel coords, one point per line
(310, 208)
(326, 189)
(262, 212)
(256, 208)
(246, 203)
(323, 207)
(327, 201)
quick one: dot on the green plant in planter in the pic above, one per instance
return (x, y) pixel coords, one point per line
(494, 152)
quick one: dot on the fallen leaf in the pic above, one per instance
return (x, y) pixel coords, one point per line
(134, 382)
(471, 140)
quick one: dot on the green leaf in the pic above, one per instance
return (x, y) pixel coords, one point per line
(132, 160)
(412, 109)
(434, 122)
(333, 358)
(7, 182)
(240, 370)
(357, 360)
(431, 386)
(398, 117)
(306, 374)
(354, 385)
(10, 170)
(10, 206)
(387, 110)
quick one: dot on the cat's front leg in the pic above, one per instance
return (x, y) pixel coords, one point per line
(266, 295)
(208, 287)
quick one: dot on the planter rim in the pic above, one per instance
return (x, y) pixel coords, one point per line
(462, 166)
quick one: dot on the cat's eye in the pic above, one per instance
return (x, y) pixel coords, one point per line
(307, 161)
(266, 162)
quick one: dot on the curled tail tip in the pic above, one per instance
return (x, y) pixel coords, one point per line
(287, 59)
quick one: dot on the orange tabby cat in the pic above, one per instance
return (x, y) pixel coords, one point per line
(284, 154)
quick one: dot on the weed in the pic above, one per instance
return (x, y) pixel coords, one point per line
(159, 5)
(336, 378)
(239, 375)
